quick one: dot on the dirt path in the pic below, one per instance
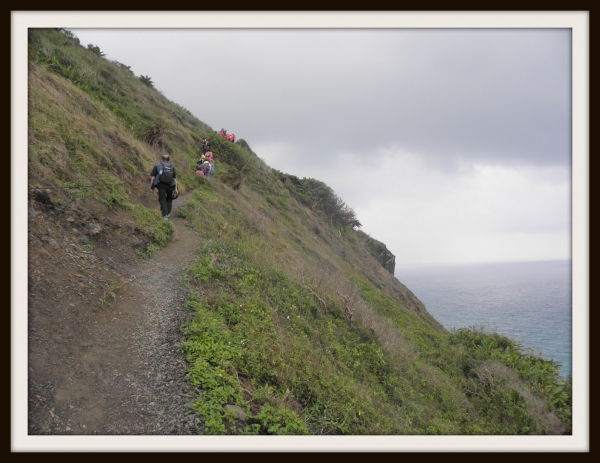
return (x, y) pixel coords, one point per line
(122, 372)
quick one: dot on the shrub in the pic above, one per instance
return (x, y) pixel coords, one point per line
(94, 49)
(234, 177)
(321, 198)
(146, 80)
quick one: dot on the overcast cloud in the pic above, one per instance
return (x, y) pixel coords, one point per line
(450, 145)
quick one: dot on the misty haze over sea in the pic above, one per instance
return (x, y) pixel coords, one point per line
(529, 302)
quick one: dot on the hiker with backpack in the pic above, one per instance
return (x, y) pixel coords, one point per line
(206, 167)
(205, 145)
(164, 180)
(209, 155)
(198, 169)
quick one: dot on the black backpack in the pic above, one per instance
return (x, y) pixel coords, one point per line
(166, 173)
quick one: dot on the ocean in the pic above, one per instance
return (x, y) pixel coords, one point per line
(529, 302)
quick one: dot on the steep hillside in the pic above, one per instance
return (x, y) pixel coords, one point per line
(291, 319)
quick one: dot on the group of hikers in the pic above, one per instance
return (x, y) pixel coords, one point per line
(206, 165)
(229, 136)
(164, 179)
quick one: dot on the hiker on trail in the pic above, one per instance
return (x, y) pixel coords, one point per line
(209, 156)
(205, 145)
(164, 180)
(198, 170)
(206, 167)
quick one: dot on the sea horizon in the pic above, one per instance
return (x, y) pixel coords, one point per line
(527, 301)
(474, 263)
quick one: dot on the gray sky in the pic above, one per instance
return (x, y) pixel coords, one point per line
(451, 145)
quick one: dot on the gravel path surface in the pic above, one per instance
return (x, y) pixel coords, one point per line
(124, 375)
(154, 393)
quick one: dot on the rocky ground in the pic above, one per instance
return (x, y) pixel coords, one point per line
(104, 324)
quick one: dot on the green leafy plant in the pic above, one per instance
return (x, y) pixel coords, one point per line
(146, 80)
(234, 177)
(155, 133)
(116, 195)
(279, 421)
(95, 49)
(109, 293)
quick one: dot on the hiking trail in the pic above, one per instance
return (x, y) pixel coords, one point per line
(122, 372)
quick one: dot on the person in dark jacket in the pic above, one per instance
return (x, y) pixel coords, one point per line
(205, 145)
(164, 179)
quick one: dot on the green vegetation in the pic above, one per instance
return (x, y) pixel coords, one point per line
(343, 358)
(320, 197)
(109, 293)
(147, 81)
(94, 49)
(296, 327)
(97, 130)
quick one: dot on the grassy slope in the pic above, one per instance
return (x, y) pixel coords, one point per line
(296, 321)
